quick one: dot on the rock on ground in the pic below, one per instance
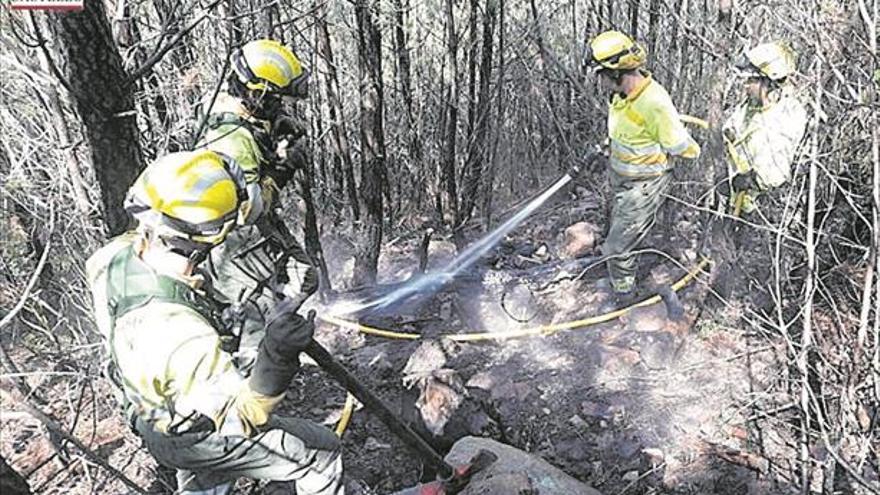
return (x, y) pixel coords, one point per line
(580, 238)
(515, 472)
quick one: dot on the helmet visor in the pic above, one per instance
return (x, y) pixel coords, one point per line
(299, 87)
(744, 68)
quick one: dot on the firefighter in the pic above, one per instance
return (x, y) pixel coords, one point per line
(261, 260)
(644, 130)
(762, 133)
(167, 339)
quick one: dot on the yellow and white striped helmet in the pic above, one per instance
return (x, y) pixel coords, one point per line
(196, 196)
(614, 50)
(269, 66)
(775, 60)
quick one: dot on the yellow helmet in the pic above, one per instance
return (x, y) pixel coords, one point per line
(616, 51)
(267, 65)
(192, 196)
(774, 60)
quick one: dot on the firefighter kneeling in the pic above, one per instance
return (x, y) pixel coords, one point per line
(164, 331)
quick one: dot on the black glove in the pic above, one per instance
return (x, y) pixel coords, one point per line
(286, 126)
(596, 158)
(745, 182)
(287, 334)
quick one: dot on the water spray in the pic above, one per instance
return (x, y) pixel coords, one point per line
(432, 282)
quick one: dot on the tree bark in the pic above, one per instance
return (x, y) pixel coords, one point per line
(311, 234)
(473, 50)
(372, 143)
(404, 77)
(653, 17)
(543, 63)
(634, 18)
(55, 105)
(234, 30)
(103, 95)
(128, 37)
(11, 482)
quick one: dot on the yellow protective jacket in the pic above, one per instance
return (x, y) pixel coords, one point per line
(765, 139)
(644, 127)
(233, 136)
(169, 355)
(231, 133)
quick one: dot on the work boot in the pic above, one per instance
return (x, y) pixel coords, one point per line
(617, 300)
(674, 307)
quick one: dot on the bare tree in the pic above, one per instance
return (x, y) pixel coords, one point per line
(101, 89)
(450, 118)
(372, 143)
(340, 146)
(477, 146)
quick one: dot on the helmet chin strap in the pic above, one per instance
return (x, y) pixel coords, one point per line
(193, 251)
(262, 105)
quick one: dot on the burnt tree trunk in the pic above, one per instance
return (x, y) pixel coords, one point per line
(339, 140)
(56, 105)
(543, 66)
(653, 18)
(478, 143)
(372, 143)
(473, 50)
(404, 77)
(634, 18)
(311, 234)
(450, 76)
(100, 88)
(270, 17)
(235, 31)
(489, 180)
(11, 482)
(128, 37)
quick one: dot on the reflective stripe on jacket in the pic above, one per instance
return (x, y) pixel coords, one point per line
(644, 128)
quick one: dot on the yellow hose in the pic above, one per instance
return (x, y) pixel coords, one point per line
(544, 329)
(541, 330)
(347, 409)
(351, 325)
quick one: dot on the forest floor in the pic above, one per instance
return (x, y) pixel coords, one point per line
(639, 404)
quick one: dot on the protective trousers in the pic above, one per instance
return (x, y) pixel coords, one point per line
(286, 449)
(636, 201)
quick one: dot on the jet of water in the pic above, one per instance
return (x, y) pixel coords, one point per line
(432, 282)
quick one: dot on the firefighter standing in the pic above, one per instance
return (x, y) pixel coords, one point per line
(644, 130)
(762, 133)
